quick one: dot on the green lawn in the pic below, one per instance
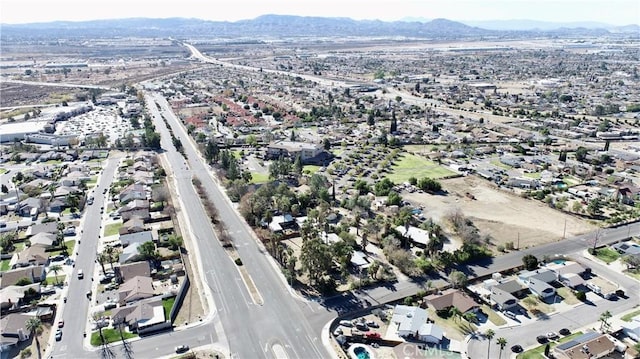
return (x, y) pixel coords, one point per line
(236, 154)
(538, 352)
(493, 316)
(55, 280)
(110, 336)
(607, 254)
(496, 162)
(70, 246)
(4, 265)
(627, 317)
(93, 180)
(310, 169)
(534, 175)
(53, 162)
(112, 229)
(167, 304)
(259, 177)
(415, 166)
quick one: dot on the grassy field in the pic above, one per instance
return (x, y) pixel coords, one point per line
(4, 265)
(534, 175)
(167, 304)
(415, 166)
(607, 255)
(259, 177)
(112, 229)
(627, 317)
(538, 352)
(110, 336)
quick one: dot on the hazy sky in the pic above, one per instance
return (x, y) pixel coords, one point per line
(616, 12)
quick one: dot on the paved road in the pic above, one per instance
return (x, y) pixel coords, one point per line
(252, 329)
(74, 311)
(58, 84)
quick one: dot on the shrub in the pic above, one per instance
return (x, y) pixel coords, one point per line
(238, 261)
(582, 296)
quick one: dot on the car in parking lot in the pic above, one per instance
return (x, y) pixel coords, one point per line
(362, 326)
(542, 339)
(516, 348)
(564, 331)
(182, 348)
(372, 324)
(346, 323)
(552, 335)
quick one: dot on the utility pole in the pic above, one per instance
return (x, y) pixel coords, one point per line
(518, 247)
(564, 232)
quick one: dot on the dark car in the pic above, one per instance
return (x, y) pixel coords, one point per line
(58, 335)
(542, 339)
(182, 348)
(564, 331)
(516, 348)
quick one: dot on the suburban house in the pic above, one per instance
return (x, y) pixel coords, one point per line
(632, 328)
(568, 273)
(140, 316)
(35, 274)
(132, 192)
(34, 255)
(13, 330)
(12, 296)
(360, 260)
(49, 227)
(503, 294)
(44, 239)
(412, 322)
(135, 224)
(418, 236)
(127, 271)
(538, 282)
(134, 289)
(451, 298)
(28, 206)
(627, 248)
(591, 345)
(137, 207)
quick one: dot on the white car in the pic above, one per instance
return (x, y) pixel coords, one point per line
(346, 323)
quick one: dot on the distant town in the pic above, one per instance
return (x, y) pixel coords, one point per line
(459, 193)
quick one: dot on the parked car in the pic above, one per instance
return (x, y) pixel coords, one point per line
(61, 324)
(346, 323)
(542, 339)
(58, 335)
(182, 348)
(373, 324)
(564, 331)
(516, 348)
(511, 315)
(552, 335)
(362, 326)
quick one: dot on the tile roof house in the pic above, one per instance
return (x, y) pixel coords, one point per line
(25, 206)
(134, 289)
(34, 255)
(591, 345)
(12, 296)
(125, 272)
(538, 282)
(13, 330)
(135, 224)
(49, 227)
(568, 273)
(136, 207)
(451, 298)
(33, 273)
(43, 239)
(141, 315)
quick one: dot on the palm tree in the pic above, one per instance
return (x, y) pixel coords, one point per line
(55, 269)
(604, 317)
(455, 313)
(34, 326)
(489, 334)
(470, 317)
(502, 342)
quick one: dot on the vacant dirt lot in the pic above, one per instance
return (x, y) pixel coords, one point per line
(503, 215)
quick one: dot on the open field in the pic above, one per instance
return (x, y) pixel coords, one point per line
(503, 215)
(415, 166)
(257, 177)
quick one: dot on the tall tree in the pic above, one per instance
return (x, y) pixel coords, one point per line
(55, 269)
(34, 326)
(489, 334)
(502, 342)
(604, 320)
(316, 258)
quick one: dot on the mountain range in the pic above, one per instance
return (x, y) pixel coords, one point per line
(277, 26)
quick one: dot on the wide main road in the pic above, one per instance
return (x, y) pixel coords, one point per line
(279, 326)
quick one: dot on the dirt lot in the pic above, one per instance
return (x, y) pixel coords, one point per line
(503, 215)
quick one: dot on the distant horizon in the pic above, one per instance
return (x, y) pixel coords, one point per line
(612, 12)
